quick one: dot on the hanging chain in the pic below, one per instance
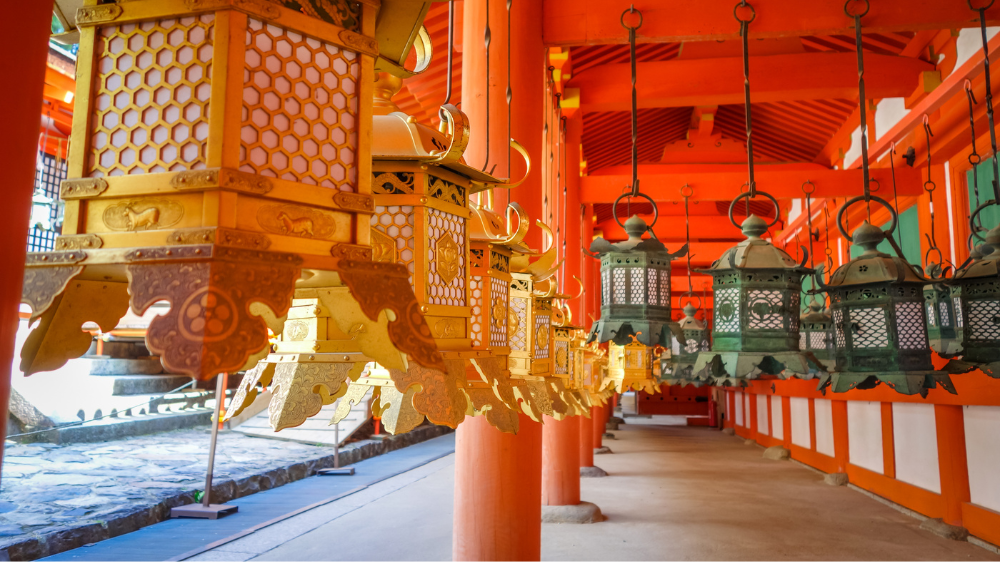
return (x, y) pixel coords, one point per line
(989, 98)
(745, 33)
(510, 92)
(974, 158)
(687, 192)
(809, 220)
(895, 199)
(828, 252)
(929, 187)
(862, 101)
(451, 52)
(487, 39)
(635, 106)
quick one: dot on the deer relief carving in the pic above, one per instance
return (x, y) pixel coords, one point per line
(296, 227)
(147, 219)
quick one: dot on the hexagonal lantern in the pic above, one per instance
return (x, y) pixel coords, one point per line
(689, 338)
(976, 286)
(941, 321)
(816, 334)
(877, 305)
(635, 304)
(756, 289)
(210, 185)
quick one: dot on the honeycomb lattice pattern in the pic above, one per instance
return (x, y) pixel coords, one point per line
(619, 286)
(910, 325)
(838, 323)
(300, 105)
(802, 340)
(691, 346)
(519, 337)
(439, 225)
(931, 317)
(562, 357)
(151, 96)
(764, 309)
(959, 319)
(984, 320)
(397, 223)
(541, 323)
(868, 327)
(818, 340)
(605, 287)
(476, 300)
(638, 293)
(945, 314)
(727, 310)
(498, 328)
(793, 319)
(651, 288)
(664, 287)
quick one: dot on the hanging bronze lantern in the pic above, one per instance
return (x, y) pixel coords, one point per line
(941, 321)
(976, 287)
(690, 337)
(816, 333)
(879, 318)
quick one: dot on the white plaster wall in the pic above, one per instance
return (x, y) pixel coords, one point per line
(777, 418)
(762, 425)
(798, 408)
(739, 409)
(888, 112)
(864, 434)
(824, 426)
(914, 437)
(746, 410)
(982, 448)
(970, 42)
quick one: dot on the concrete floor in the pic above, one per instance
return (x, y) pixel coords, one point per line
(673, 493)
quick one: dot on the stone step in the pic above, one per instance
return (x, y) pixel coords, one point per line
(103, 365)
(108, 429)
(131, 385)
(146, 404)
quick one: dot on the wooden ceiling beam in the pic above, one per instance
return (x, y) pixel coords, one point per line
(689, 82)
(596, 22)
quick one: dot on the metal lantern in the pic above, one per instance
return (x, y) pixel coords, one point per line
(977, 290)
(690, 338)
(941, 321)
(755, 329)
(879, 320)
(816, 333)
(630, 367)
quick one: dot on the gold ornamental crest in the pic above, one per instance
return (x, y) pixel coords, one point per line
(447, 259)
(512, 323)
(542, 338)
(498, 312)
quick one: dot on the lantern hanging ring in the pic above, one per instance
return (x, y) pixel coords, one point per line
(877, 199)
(749, 195)
(614, 208)
(878, 185)
(686, 191)
(972, 219)
(631, 10)
(862, 14)
(986, 7)
(744, 5)
(811, 190)
(691, 295)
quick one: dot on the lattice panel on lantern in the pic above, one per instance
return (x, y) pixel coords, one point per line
(959, 318)
(518, 333)
(638, 293)
(651, 288)
(945, 314)
(498, 313)
(691, 346)
(910, 326)
(838, 323)
(397, 222)
(541, 341)
(802, 340)
(817, 340)
(562, 357)
(793, 319)
(605, 287)
(446, 256)
(931, 317)
(151, 96)
(664, 287)
(299, 108)
(869, 328)
(619, 286)
(727, 310)
(476, 300)
(984, 320)
(49, 174)
(764, 308)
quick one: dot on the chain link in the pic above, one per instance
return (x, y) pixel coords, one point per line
(744, 34)
(989, 100)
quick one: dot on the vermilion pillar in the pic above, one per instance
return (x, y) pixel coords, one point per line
(586, 441)
(599, 421)
(573, 229)
(25, 42)
(561, 461)
(498, 496)
(498, 511)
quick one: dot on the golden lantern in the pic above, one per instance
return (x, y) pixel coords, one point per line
(630, 366)
(217, 187)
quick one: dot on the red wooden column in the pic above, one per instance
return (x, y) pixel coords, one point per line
(498, 477)
(25, 42)
(498, 512)
(841, 451)
(598, 418)
(561, 461)
(573, 227)
(586, 441)
(953, 462)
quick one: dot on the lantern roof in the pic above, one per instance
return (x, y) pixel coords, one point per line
(755, 252)
(635, 227)
(486, 225)
(815, 313)
(987, 265)
(689, 322)
(873, 266)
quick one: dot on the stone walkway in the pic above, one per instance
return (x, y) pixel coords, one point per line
(58, 497)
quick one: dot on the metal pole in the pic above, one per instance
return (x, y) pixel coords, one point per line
(220, 395)
(336, 445)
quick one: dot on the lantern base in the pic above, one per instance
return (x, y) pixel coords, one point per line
(903, 382)
(960, 366)
(732, 367)
(946, 348)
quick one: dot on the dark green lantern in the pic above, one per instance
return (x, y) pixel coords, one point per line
(690, 336)
(879, 319)
(942, 323)
(976, 286)
(635, 288)
(816, 332)
(755, 330)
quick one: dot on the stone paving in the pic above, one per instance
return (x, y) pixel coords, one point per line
(56, 497)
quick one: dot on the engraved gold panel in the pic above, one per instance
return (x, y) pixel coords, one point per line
(397, 223)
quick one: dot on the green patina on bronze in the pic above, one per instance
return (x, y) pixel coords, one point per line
(816, 332)
(939, 302)
(691, 337)
(977, 287)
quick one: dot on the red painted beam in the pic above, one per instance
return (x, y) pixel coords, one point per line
(718, 81)
(704, 229)
(725, 185)
(595, 22)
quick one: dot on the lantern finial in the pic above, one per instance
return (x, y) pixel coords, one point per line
(635, 227)
(869, 237)
(754, 227)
